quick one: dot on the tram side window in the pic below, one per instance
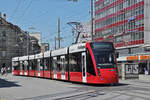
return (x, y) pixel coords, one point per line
(58, 63)
(46, 64)
(90, 67)
(36, 64)
(31, 65)
(41, 64)
(75, 62)
(66, 60)
(54, 65)
(16, 65)
(23, 66)
(64, 63)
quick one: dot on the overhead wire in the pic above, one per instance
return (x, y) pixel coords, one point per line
(15, 10)
(28, 6)
(25, 11)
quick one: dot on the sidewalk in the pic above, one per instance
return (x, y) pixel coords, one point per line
(136, 82)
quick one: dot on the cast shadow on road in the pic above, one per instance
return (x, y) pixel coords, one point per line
(102, 85)
(6, 84)
(95, 85)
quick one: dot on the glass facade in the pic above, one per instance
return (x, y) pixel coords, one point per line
(121, 21)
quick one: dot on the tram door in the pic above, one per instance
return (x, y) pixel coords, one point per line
(55, 67)
(38, 67)
(63, 67)
(21, 68)
(83, 60)
(26, 67)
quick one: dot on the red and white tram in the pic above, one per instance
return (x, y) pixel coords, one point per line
(23, 63)
(39, 71)
(15, 64)
(46, 65)
(59, 64)
(90, 62)
(32, 65)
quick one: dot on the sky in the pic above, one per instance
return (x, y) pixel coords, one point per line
(43, 16)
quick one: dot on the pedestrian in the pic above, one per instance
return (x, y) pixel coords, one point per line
(3, 69)
(145, 71)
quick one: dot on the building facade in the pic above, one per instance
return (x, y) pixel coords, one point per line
(44, 47)
(85, 29)
(13, 42)
(38, 36)
(127, 24)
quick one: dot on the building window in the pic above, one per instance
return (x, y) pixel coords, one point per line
(127, 38)
(118, 39)
(3, 53)
(141, 35)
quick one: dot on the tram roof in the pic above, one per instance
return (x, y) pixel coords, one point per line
(15, 58)
(31, 57)
(61, 51)
(77, 47)
(40, 55)
(47, 54)
(23, 58)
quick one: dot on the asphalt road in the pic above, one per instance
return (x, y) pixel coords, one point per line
(30, 88)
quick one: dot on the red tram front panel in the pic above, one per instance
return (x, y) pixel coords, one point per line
(103, 58)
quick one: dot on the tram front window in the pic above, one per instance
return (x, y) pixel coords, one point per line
(103, 54)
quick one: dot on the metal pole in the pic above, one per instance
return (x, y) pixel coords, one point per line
(55, 42)
(92, 20)
(72, 35)
(58, 33)
(27, 43)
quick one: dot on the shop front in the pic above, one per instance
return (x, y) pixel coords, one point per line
(134, 67)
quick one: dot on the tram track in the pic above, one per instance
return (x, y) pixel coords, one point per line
(83, 92)
(119, 92)
(48, 95)
(77, 92)
(87, 94)
(127, 90)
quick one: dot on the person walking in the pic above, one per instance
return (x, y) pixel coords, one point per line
(3, 69)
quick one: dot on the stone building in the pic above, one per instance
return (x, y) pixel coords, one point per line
(14, 42)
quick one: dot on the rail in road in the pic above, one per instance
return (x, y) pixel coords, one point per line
(94, 93)
(29, 88)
